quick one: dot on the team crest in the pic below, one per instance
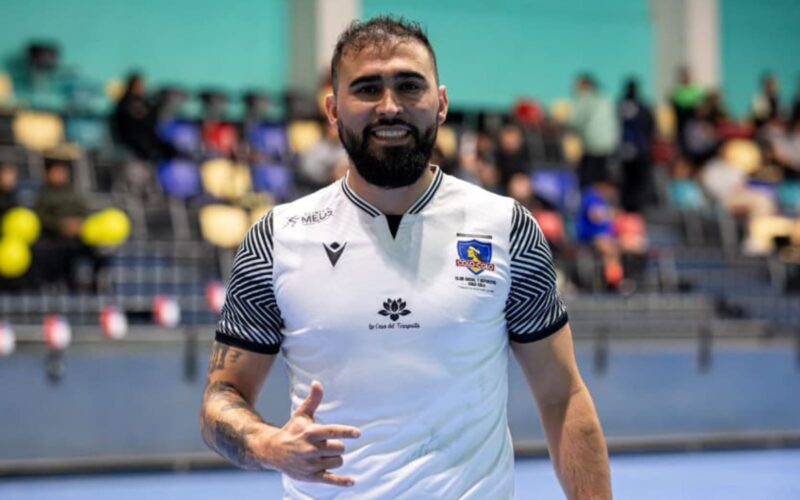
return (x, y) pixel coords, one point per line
(475, 256)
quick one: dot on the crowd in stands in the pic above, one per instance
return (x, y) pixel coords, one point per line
(589, 168)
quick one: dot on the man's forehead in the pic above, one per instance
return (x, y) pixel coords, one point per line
(389, 57)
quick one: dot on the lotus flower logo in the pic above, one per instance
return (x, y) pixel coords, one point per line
(394, 309)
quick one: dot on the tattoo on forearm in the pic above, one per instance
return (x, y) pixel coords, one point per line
(227, 437)
(220, 355)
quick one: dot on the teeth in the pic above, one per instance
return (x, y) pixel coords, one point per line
(390, 134)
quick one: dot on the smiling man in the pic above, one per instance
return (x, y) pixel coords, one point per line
(400, 290)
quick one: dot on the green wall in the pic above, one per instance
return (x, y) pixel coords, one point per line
(233, 45)
(491, 53)
(758, 36)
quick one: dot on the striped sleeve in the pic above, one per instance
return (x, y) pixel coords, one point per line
(534, 308)
(250, 318)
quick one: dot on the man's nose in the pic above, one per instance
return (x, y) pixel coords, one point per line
(388, 106)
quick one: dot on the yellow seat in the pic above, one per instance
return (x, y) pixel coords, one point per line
(6, 89)
(573, 148)
(38, 131)
(226, 180)
(561, 110)
(742, 154)
(666, 123)
(223, 226)
(256, 213)
(447, 141)
(303, 134)
(764, 229)
(115, 89)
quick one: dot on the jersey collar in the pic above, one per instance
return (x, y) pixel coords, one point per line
(416, 208)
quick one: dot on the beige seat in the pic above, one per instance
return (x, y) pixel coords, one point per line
(223, 226)
(561, 110)
(573, 148)
(303, 135)
(38, 131)
(226, 180)
(447, 141)
(743, 154)
(666, 123)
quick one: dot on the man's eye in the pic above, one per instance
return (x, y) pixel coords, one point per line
(368, 90)
(409, 87)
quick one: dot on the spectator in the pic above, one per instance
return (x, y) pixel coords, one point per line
(596, 229)
(685, 99)
(638, 134)
(319, 164)
(8, 188)
(512, 155)
(60, 252)
(133, 122)
(794, 119)
(766, 105)
(728, 186)
(595, 121)
(700, 137)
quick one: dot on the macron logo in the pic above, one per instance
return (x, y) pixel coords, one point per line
(334, 251)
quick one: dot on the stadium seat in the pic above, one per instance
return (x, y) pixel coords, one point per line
(220, 138)
(275, 179)
(89, 133)
(256, 213)
(269, 140)
(223, 226)
(303, 134)
(686, 194)
(763, 230)
(559, 187)
(38, 131)
(226, 180)
(572, 147)
(552, 226)
(447, 141)
(179, 179)
(561, 110)
(184, 136)
(6, 89)
(743, 154)
(666, 122)
(789, 197)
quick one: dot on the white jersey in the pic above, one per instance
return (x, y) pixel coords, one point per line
(408, 334)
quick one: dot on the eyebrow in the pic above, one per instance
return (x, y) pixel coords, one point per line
(377, 78)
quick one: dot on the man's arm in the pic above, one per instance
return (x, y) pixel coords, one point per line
(574, 436)
(230, 425)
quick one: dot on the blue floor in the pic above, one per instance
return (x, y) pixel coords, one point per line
(739, 475)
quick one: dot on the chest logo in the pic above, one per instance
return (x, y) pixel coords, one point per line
(334, 251)
(475, 255)
(394, 309)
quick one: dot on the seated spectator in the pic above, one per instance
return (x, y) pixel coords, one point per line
(8, 188)
(700, 138)
(784, 145)
(512, 155)
(766, 105)
(728, 186)
(60, 255)
(596, 229)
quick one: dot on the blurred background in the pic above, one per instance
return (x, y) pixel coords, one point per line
(657, 142)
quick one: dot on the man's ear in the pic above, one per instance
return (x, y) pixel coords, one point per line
(443, 104)
(330, 109)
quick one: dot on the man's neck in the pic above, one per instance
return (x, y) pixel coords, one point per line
(389, 201)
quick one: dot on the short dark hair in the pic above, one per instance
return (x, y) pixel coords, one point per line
(376, 32)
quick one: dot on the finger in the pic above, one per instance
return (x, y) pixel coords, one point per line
(311, 403)
(323, 432)
(330, 478)
(331, 448)
(330, 462)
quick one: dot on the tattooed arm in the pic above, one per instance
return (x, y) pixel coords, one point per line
(301, 449)
(229, 421)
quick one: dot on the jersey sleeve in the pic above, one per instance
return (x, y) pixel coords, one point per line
(250, 317)
(534, 308)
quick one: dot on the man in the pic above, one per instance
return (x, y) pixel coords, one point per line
(595, 121)
(400, 289)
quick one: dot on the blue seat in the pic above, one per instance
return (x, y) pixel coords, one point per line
(275, 179)
(559, 187)
(183, 135)
(179, 179)
(789, 197)
(89, 133)
(270, 140)
(686, 194)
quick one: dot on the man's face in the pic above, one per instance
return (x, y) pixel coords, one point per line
(387, 110)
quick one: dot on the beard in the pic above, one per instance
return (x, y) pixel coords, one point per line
(389, 167)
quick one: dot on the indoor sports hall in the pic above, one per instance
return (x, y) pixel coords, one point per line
(655, 142)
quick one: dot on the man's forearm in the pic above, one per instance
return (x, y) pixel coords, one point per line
(228, 423)
(577, 447)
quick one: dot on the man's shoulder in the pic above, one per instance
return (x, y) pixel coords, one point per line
(467, 194)
(309, 209)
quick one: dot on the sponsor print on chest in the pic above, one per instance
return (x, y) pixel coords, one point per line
(474, 263)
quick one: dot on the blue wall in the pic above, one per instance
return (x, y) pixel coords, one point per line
(756, 37)
(491, 53)
(227, 44)
(122, 399)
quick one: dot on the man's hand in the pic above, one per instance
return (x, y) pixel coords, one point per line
(304, 450)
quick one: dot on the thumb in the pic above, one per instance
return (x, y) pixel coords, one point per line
(310, 404)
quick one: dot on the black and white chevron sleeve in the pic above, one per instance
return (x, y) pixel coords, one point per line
(250, 317)
(534, 308)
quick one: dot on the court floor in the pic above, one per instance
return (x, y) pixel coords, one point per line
(730, 475)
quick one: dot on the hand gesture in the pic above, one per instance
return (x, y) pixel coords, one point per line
(305, 450)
